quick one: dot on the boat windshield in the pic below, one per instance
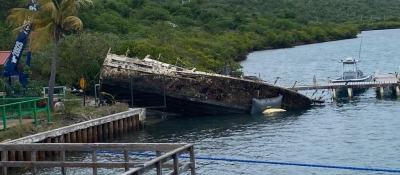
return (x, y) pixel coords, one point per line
(349, 67)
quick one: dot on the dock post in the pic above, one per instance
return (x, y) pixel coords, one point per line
(125, 124)
(27, 155)
(115, 128)
(120, 126)
(90, 134)
(61, 139)
(68, 138)
(41, 154)
(55, 140)
(73, 137)
(19, 155)
(350, 92)
(84, 135)
(334, 93)
(192, 161)
(111, 129)
(134, 122)
(100, 132)
(314, 81)
(397, 91)
(381, 91)
(105, 130)
(130, 123)
(48, 153)
(94, 134)
(4, 158)
(79, 136)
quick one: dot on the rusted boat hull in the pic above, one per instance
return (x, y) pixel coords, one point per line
(190, 93)
(177, 105)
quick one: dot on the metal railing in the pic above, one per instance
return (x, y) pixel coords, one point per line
(23, 107)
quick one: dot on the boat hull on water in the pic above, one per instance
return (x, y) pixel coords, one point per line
(367, 78)
(152, 84)
(351, 73)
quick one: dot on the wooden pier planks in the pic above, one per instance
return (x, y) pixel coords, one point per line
(347, 85)
(380, 80)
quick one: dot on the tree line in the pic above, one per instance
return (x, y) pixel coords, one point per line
(199, 33)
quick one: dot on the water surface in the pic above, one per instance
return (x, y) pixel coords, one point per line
(362, 132)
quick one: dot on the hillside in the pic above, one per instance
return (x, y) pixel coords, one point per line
(208, 34)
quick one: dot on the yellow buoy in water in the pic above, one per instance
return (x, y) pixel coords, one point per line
(273, 110)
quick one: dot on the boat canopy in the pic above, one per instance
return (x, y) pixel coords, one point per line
(349, 60)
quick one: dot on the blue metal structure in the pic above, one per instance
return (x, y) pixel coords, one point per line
(11, 65)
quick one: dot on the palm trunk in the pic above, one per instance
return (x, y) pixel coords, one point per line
(53, 68)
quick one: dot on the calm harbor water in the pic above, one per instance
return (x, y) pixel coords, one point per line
(362, 132)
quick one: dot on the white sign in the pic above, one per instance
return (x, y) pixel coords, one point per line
(14, 60)
(17, 51)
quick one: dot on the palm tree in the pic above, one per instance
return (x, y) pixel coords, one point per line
(53, 18)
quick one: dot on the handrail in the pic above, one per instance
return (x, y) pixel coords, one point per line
(24, 111)
(172, 152)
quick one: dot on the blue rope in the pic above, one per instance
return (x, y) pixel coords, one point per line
(266, 162)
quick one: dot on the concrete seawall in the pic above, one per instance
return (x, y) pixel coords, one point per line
(91, 131)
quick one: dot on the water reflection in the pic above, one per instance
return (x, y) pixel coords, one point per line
(192, 129)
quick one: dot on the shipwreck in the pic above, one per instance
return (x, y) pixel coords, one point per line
(150, 83)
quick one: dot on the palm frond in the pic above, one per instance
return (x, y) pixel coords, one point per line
(19, 15)
(42, 36)
(71, 7)
(47, 7)
(41, 22)
(52, 15)
(16, 31)
(80, 4)
(73, 22)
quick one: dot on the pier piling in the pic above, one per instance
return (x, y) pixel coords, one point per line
(350, 92)
(90, 135)
(79, 136)
(381, 90)
(84, 135)
(111, 130)
(94, 134)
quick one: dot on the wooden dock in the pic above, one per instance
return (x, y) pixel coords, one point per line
(347, 85)
(380, 82)
(37, 150)
(164, 151)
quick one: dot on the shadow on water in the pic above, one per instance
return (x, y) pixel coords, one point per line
(363, 99)
(194, 128)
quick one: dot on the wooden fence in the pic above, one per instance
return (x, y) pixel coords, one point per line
(164, 151)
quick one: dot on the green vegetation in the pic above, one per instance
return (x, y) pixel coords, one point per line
(51, 21)
(205, 34)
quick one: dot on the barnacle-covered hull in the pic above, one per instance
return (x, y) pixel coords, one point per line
(154, 84)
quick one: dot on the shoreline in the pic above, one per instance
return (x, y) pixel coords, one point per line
(244, 57)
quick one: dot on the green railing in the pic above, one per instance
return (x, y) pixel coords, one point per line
(22, 107)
